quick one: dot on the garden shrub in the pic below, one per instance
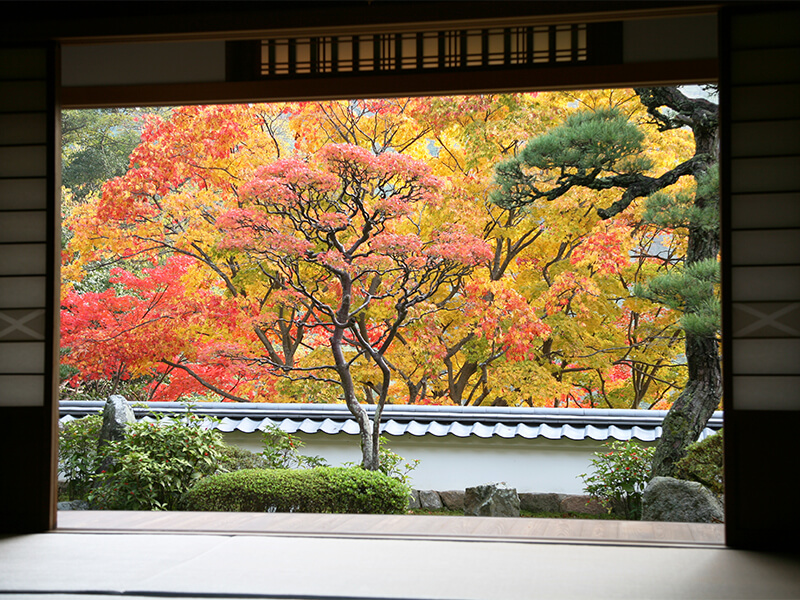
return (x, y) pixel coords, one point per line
(390, 463)
(155, 463)
(703, 463)
(234, 458)
(282, 451)
(78, 458)
(315, 490)
(620, 476)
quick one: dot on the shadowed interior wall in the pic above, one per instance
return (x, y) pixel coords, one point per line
(761, 147)
(28, 284)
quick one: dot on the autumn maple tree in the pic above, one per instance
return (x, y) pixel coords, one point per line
(352, 251)
(336, 238)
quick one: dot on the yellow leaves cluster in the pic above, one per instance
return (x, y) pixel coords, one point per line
(562, 267)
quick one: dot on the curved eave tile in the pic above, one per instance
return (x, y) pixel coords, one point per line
(307, 426)
(593, 432)
(333, 421)
(392, 427)
(247, 425)
(644, 434)
(416, 428)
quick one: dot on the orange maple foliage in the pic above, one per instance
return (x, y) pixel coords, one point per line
(271, 227)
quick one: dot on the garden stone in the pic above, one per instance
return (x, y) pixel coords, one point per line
(429, 500)
(491, 500)
(413, 499)
(582, 504)
(677, 500)
(538, 502)
(74, 505)
(117, 415)
(453, 499)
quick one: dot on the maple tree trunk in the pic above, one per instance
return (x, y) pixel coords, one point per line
(368, 433)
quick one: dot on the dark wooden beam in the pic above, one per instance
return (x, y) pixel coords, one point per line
(98, 21)
(413, 84)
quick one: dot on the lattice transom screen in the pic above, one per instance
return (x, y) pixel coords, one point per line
(425, 50)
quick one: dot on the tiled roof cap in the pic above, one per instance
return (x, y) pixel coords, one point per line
(479, 421)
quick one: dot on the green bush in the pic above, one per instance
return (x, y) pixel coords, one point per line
(154, 464)
(234, 458)
(282, 451)
(703, 463)
(620, 476)
(390, 463)
(316, 490)
(78, 458)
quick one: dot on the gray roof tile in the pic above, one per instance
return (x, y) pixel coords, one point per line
(481, 421)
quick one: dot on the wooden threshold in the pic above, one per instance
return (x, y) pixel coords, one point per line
(412, 527)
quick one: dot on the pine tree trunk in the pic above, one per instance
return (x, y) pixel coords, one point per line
(693, 408)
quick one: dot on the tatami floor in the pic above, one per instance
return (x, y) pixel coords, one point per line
(295, 556)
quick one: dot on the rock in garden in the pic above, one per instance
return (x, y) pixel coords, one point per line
(491, 500)
(452, 499)
(74, 505)
(429, 500)
(670, 499)
(117, 415)
(538, 502)
(413, 499)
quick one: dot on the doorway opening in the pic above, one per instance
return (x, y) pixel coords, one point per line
(542, 292)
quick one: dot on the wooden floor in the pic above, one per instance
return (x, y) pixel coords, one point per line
(484, 529)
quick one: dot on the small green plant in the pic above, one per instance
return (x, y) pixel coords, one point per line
(282, 451)
(78, 458)
(392, 464)
(155, 463)
(620, 476)
(315, 490)
(703, 463)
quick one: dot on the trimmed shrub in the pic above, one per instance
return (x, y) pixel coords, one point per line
(703, 463)
(316, 490)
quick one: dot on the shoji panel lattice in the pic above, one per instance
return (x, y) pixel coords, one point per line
(456, 49)
(26, 188)
(765, 211)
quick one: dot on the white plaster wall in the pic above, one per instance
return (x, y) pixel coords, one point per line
(453, 463)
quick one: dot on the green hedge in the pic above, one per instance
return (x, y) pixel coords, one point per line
(318, 490)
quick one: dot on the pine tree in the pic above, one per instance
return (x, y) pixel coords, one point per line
(603, 150)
